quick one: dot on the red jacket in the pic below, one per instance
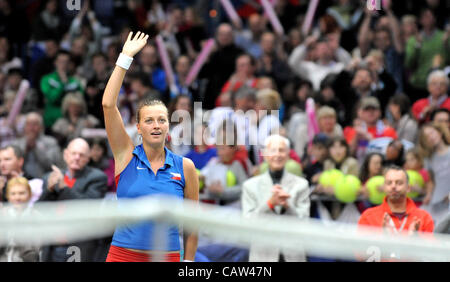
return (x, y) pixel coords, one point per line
(418, 107)
(374, 216)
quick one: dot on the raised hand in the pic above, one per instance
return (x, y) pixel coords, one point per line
(133, 45)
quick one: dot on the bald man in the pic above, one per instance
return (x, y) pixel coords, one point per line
(77, 181)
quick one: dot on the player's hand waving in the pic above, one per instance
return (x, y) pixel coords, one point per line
(134, 45)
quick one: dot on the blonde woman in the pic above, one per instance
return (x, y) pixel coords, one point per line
(18, 193)
(75, 118)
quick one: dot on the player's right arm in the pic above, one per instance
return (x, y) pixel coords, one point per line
(120, 143)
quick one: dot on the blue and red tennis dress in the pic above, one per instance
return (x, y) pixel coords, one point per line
(138, 180)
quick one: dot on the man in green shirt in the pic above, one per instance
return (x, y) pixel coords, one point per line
(55, 85)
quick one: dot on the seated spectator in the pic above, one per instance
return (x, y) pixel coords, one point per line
(314, 164)
(367, 126)
(55, 85)
(438, 84)
(40, 151)
(224, 175)
(372, 166)
(293, 164)
(326, 119)
(75, 119)
(414, 161)
(441, 116)
(100, 159)
(340, 158)
(394, 154)
(397, 214)
(11, 165)
(18, 193)
(403, 123)
(78, 181)
(275, 192)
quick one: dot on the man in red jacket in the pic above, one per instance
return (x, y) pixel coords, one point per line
(438, 83)
(397, 213)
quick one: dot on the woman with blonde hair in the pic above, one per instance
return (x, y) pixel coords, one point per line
(434, 145)
(75, 118)
(18, 193)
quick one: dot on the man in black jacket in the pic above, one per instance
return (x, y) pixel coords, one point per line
(11, 165)
(363, 82)
(221, 64)
(78, 181)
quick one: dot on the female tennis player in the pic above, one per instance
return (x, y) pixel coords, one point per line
(147, 169)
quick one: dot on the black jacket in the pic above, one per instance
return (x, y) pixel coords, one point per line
(91, 183)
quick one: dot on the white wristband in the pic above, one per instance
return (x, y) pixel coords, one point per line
(124, 61)
(186, 260)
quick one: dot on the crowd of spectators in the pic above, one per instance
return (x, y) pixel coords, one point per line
(379, 80)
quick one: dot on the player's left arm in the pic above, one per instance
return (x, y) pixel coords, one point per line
(191, 189)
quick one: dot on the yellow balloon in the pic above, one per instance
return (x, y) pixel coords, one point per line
(201, 184)
(231, 179)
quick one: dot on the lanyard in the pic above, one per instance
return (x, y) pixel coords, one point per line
(391, 223)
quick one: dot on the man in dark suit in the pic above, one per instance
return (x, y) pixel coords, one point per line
(77, 181)
(11, 165)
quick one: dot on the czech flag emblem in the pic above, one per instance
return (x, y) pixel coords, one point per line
(175, 176)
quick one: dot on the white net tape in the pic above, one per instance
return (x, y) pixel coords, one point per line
(72, 221)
